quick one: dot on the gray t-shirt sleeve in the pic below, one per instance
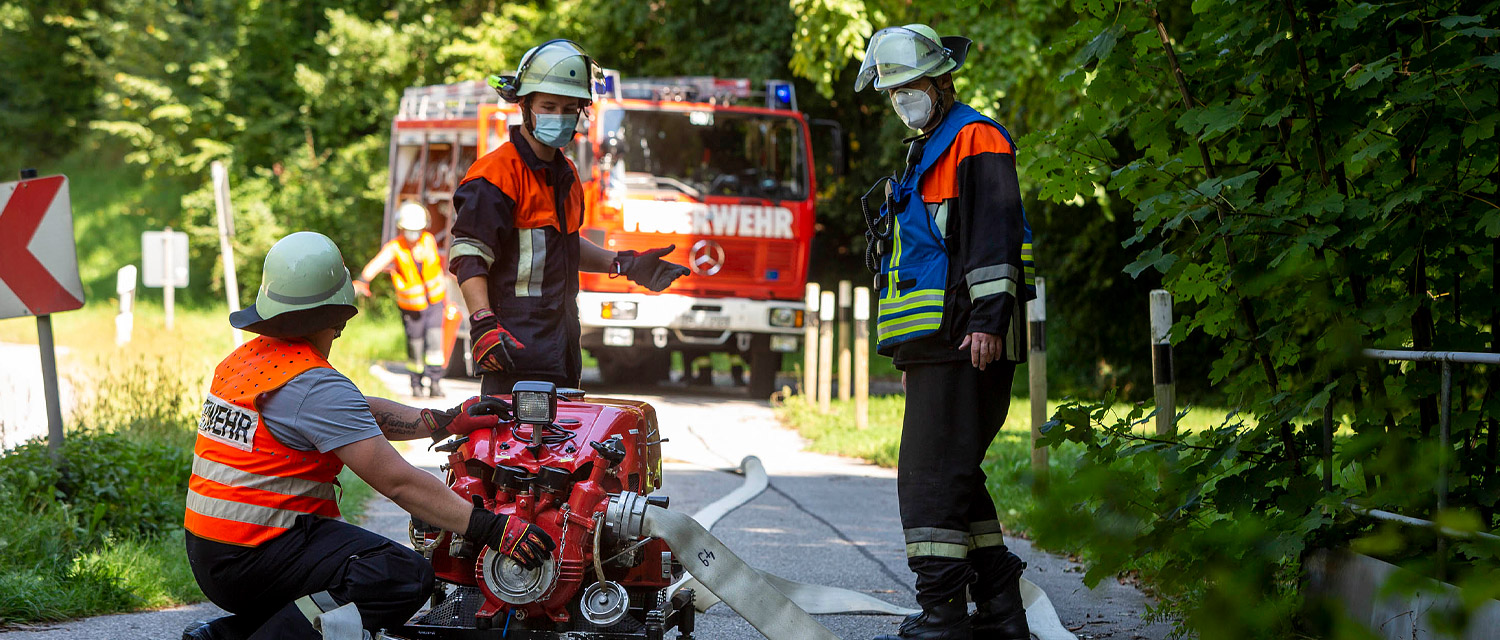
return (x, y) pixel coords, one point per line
(319, 409)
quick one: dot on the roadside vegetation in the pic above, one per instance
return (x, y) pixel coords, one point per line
(102, 533)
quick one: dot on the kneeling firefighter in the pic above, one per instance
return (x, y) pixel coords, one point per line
(516, 247)
(952, 250)
(264, 537)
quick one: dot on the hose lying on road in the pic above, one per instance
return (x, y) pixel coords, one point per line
(820, 599)
(728, 577)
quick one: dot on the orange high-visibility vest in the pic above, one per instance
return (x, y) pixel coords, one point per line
(416, 286)
(247, 487)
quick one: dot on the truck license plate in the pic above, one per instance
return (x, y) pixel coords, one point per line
(703, 320)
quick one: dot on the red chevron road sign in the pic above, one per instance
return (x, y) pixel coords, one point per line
(38, 261)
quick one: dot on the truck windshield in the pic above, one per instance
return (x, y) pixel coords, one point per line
(708, 152)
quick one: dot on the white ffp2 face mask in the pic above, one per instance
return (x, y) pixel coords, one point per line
(914, 107)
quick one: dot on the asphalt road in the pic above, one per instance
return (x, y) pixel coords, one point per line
(825, 520)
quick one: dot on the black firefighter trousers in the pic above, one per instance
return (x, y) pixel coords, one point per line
(953, 538)
(386, 581)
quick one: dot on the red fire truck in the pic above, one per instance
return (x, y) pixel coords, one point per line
(684, 161)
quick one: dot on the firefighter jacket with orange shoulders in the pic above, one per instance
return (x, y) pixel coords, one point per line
(246, 486)
(416, 271)
(517, 224)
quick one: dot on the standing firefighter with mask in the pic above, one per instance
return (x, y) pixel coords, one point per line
(516, 249)
(417, 273)
(952, 250)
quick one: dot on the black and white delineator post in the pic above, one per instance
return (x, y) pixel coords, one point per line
(826, 309)
(861, 357)
(845, 303)
(1036, 369)
(810, 344)
(1162, 372)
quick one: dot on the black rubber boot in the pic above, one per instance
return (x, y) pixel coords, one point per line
(948, 620)
(1002, 618)
(435, 390)
(202, 630)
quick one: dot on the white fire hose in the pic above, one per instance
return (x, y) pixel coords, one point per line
(777, 607)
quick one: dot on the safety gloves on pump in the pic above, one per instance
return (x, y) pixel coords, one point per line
(524, 542)
(492, 344)
(478, 412)
(648, 269)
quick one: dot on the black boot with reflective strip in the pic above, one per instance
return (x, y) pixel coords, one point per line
(1002, 617)
(947, 620)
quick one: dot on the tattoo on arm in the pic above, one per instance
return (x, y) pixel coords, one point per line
(397, 427)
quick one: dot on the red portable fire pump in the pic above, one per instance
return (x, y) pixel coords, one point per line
(583, 471)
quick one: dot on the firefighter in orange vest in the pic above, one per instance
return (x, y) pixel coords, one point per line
(417, 273)
(516, 247)
(264, 538)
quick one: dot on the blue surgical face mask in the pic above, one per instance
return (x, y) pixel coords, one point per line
(555, 129)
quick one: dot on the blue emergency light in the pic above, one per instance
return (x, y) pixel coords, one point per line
(780, 95)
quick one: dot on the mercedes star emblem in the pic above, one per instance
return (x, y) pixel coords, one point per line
(706, 257)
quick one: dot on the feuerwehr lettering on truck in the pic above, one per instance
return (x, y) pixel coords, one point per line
(229, 424)
(696, 218)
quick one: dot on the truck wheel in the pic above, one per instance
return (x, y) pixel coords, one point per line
(633, 366)
(764, 364)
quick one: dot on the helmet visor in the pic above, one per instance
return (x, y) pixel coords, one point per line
(896, 56)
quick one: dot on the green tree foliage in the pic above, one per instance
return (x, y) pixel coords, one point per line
(1308, 179)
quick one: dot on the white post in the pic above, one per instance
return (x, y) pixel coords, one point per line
(225, 217)
(810, 344)
(1036, 367)
(1162, 372)
(827, 307)
(125, 319)
(845, 300)
(169, 276)
(862, 357)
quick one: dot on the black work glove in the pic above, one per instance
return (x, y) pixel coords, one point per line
(524, 542)
(478, 412)
(648, 269)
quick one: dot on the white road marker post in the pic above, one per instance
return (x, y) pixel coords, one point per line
(169, 289)
(810, 344)
(862, 357)
(1036, 369)
(1163, 375)
(846, 292)
(125, 319)
(224, 209)
(826, 309)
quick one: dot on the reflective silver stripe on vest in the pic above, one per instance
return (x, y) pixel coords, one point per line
(897, 326)
(227, 475)
(932, 541)
(240, 512)
(531, 261)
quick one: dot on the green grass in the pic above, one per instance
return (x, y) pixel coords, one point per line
(104, 535)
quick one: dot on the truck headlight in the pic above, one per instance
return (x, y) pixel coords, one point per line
(618, 310)
(534, 402)
(786, 317)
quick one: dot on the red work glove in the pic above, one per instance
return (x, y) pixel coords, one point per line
(526, 543)
(478, 412)
(492, 343)
(648, 269)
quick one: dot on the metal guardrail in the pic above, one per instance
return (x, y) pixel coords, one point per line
(1447, 359)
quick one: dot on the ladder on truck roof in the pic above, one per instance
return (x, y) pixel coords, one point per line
(458, 101)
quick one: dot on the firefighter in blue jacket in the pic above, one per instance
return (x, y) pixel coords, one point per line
(952, 250)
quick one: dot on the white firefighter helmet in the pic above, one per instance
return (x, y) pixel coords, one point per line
(898, 55)
(304, 288)
(558, 67)
(411, 217)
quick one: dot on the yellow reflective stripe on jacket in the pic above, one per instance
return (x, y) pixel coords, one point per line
(917, 298)
(992, 287)
(908, 324)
